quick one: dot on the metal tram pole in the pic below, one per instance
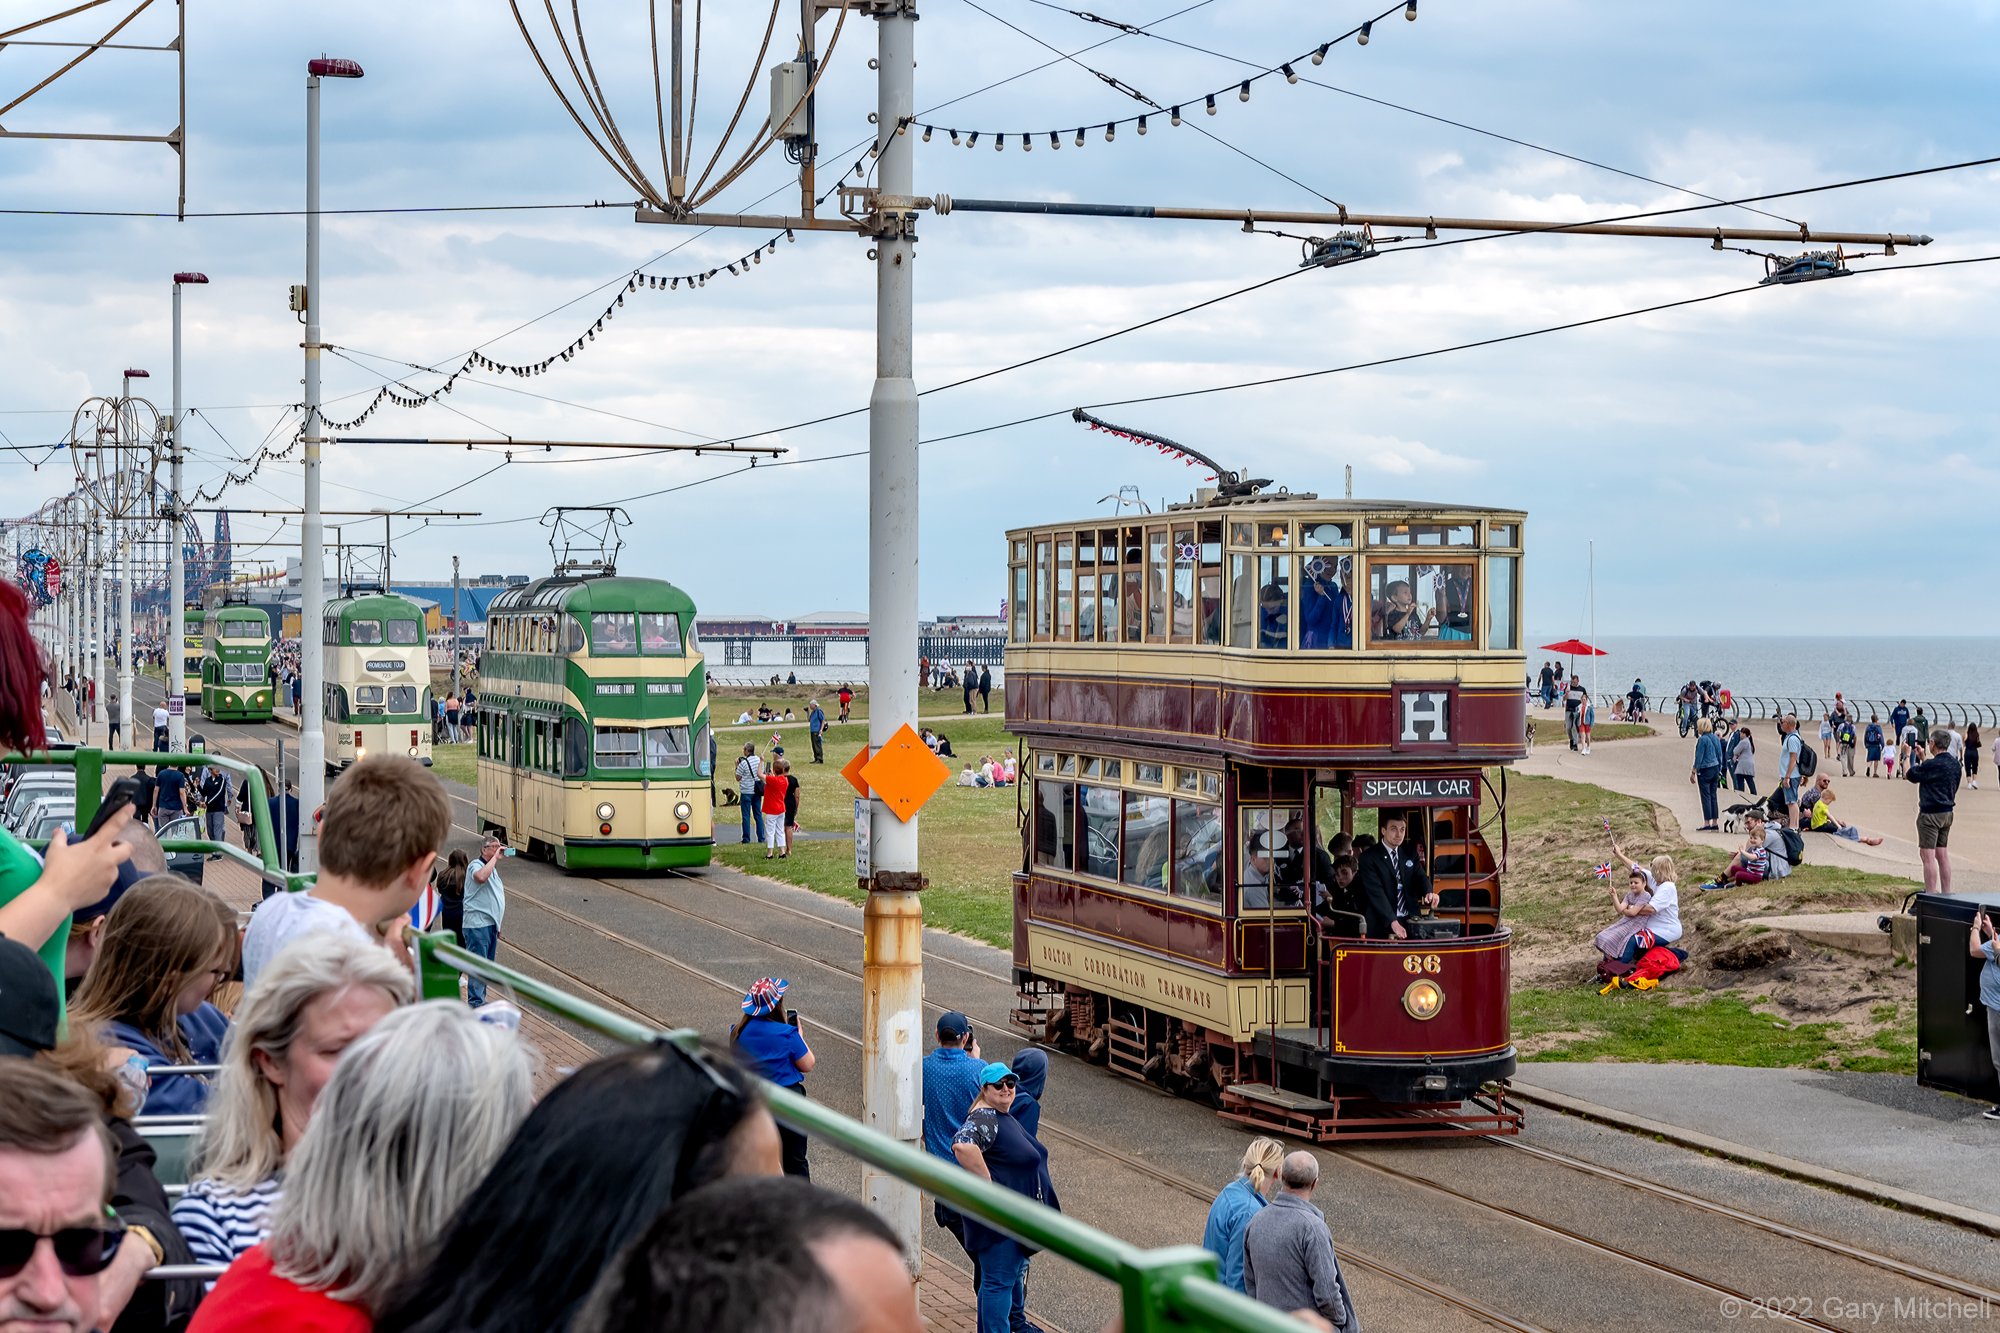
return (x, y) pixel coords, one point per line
(892, 976)
(312, 533)
(98, 639)
(456, 629)
(176, 647)
(126, 540)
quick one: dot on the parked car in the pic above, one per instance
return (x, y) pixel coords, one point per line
(190, 865)
(31, 786)
(46, 817)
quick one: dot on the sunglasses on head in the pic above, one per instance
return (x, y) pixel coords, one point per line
(81, 1251)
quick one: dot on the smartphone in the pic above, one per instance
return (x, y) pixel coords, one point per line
(792, 1017)
(122, 793)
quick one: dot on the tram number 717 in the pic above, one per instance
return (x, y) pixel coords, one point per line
(1427, 962)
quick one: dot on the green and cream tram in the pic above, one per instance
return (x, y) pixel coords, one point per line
(378, 679)
(593, 724)
(236, 665)
(191, 654)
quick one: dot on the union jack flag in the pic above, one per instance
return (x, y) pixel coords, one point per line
(1604, 870)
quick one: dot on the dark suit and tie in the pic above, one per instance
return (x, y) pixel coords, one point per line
(1393, 887)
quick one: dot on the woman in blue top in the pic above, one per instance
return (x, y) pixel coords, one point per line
(1707, 771)
(1241, 1199)
(167, 943)
(768, 1042)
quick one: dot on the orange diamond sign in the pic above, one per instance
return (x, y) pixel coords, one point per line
(853, 772)
(904, 773)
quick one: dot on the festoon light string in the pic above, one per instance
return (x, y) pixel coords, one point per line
(1207, 101)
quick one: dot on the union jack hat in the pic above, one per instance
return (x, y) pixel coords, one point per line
(1604, 870)
(1646, 940)
(764, 995)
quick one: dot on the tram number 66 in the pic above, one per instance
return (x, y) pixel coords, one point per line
(1428, 962)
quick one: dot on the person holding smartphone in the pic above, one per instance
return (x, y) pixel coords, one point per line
(1985, 943)
(769, 1043)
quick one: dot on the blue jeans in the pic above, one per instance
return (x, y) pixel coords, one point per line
(1708, 779)
(1003, 1290)
(484, 941)
(753, 816)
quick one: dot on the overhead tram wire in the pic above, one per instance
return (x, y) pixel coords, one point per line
(300, 212)
(1064, 412)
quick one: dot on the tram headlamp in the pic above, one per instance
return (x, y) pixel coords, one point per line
(413, 752)
(1423, 999)
(682, 810)
(605, 810)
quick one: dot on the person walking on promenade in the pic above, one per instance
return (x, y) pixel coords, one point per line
(773, 806)
(1972, 756)
(1923, 726)
(1240, 1201)
(1574, 698)
(1288, 1260)
(1826, 735)
(1585, 722)
(994, 1146)
(846, 700)
(1937, 796)
(1707, 771)
(451, 709)
(816, 725)
(1843, 737)
(750, 791)
(1635, 701)
(1986, 944)
(1899, 717)
(791, 806)
(1743, 760)
(970, 682)
(985, 689)
(1871, 741)
(1790, 766)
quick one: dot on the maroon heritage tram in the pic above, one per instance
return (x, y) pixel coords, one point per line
(1208, 697)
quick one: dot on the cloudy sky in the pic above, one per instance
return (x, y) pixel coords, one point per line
(1712, 452)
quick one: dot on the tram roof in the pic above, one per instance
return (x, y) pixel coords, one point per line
(373, 603)
(614, 592)
(1283, 504)
(234, 613)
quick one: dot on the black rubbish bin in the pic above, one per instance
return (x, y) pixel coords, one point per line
(1951, 1023)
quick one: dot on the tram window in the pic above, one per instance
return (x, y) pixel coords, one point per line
(1101, 810)
(1107, 604)
(1242, 599)
(1135, 601)
(1274, 534)
(611, 632)
(1065, 592)
(1338, 535)
(1211, 786)
(703, 738)
(1187, 779)
(1268, 853)
(1326, 602)
(1054, 824)
(1420, 603)
(572, 634)
(1503, 534)
(1045, 762)
(667, 747)
(336, 703)
(660, 632)
(1186, 551)
(1501, 629)
(1208, 583)
(1147, 840)
(1157, 575)
(368, 696)
(1422, 534)
(1274, 599)
(405, 631)
(1242, 534)
(1045, 566)
(402, 698)
(617, 747)
(242, 629)
(1149, 775)
(1087, 623)
(1019, 610)
(1067, 765)
(575, 739)
(364, 631)
(1198, 851)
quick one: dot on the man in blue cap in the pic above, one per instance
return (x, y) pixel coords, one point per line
(951, 1085)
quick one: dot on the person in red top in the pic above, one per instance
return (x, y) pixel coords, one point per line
(414, 1115)
(846, 701)
(775, 783)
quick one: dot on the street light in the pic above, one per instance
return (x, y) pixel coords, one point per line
(175, 680)
(312, 535)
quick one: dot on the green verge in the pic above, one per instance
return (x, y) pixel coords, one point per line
(970, 842)
(1550, 731)
(455, 763)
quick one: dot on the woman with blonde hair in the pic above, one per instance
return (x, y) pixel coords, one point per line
(1240, 1200)
(314, 1000)
(167, 944)
(416, 1112)
(1650, 914)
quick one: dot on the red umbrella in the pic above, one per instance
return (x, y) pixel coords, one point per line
(1575, 648)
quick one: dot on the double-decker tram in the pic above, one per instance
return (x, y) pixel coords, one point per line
(192, 648)
(1215, 702)
(593, 725)
(236, 664)
(377, 679)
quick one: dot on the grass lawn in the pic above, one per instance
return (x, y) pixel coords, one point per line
(456, 763)
(1725, 1029)
(969, 836)
(1550, 731)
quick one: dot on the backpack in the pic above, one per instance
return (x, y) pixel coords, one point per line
(1794, 844)
(1844, 733)
(1808, 760)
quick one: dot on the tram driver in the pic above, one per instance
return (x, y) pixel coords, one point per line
(1393, 883)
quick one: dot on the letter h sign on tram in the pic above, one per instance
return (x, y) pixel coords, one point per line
(1422, 718)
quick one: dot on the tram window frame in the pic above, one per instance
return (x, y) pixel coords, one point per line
(1045, 570)
(1503, 535)
(1502, 597)
(1099, 829)
(1159, 582)
(1065, 630)
(1110, 624)
(573, 634)
(576, 739)
(1382, 575)
(1400, 534)
(354, 634)
(1274, 570)
(1186, 884)
(242, 629)
(413, 628)
(1146, 774)
(1208, 583)
(362, 697)
(1312, 571)
(601, 624)
(667, 631)
(685, 753)
(1017, 610)
(1055, 824)
(1132, 866)
(1132, 585)
(1186, 599)
(402, 694)
(1253, 820)
(599, 752)
(704, 737)
(1085, 596)
(1045, 762)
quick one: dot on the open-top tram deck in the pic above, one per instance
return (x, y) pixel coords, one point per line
(1216, 702)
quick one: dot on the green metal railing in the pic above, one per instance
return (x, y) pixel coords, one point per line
(91, 763)
(1169, 1288)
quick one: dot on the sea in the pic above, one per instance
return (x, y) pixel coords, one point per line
(1930, 669)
